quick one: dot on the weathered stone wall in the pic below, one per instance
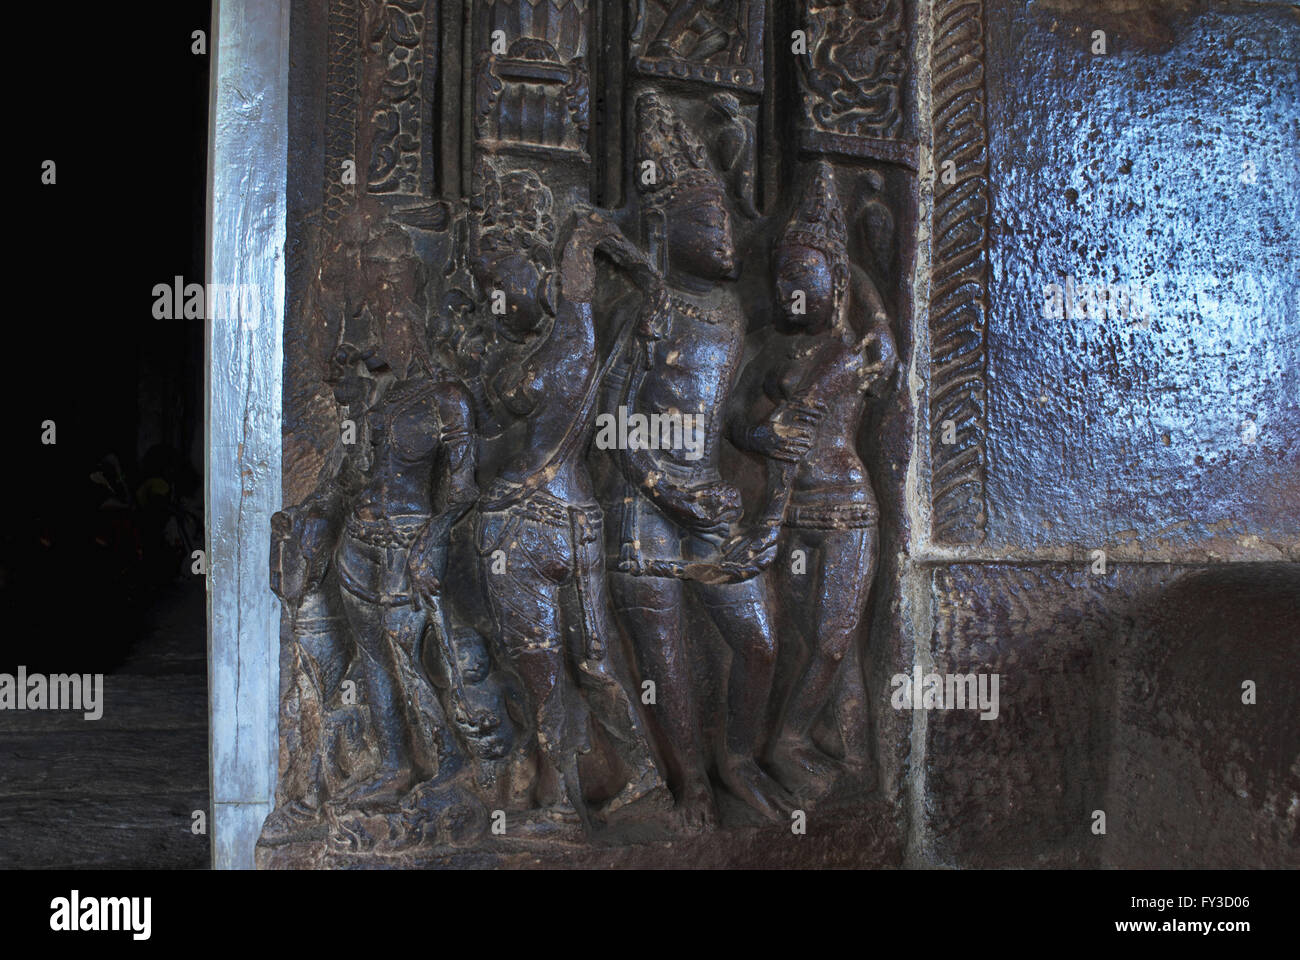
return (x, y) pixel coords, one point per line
(1140, 162)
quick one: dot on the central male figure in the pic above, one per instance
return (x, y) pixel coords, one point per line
(671, 507)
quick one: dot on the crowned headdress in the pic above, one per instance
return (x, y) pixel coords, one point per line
(818, 222)
(680, 160)
(513, 212)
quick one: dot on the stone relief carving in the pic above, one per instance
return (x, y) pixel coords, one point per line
(589, 553)
(710, 41)
(817, 368)
(398, 46)
(853, 70)
(532, 98)
(959, 276)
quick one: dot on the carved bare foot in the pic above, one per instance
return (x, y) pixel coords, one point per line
(749, 783)
(696, 810)
(558, 821)
(806, 771)
(562, 812)
(380, 791)
(645, 791)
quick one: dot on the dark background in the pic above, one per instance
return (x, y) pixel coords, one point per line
(95, 553)
(123, 113)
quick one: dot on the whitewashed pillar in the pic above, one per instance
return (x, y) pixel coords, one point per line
(246, 234)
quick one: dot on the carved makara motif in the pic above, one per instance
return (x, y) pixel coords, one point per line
(590, 552)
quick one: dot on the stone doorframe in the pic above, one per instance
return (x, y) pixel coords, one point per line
(244, 355)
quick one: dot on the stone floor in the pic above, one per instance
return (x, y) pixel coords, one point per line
(118, 792)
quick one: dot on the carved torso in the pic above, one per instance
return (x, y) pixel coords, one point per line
(828, 369)
(404, 430)
(695, 364)
(540, 390)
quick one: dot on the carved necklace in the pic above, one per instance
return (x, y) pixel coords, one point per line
(687, 308)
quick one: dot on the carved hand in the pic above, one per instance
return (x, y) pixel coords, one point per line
(755, 549)
(426, 588)
(300, 550)
(476, 721)
(710, 507)
(518, 388)
(873, 373)
(788, 434)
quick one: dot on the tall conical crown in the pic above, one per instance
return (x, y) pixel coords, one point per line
(679, 158)
(818, 223)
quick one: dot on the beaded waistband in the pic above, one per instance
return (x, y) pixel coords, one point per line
(398, 531)
(537, 505)
(838, 516)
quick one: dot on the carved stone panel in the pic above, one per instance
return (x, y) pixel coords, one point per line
(532, 80)
(594, 453)
(693, 407)
(717, 42)
(853, 62)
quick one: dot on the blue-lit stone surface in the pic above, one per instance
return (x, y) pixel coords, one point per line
(1167, 165)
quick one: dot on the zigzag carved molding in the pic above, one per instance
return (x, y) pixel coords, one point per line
(959, 275)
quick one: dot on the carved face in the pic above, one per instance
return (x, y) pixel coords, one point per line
(803, 270)
(513, 287)
(699, 236)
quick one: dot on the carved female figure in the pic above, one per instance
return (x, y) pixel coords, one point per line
(814, 372)
(540, 530)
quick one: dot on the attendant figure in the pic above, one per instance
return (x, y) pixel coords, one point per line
(807, 387)
(540, 529)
